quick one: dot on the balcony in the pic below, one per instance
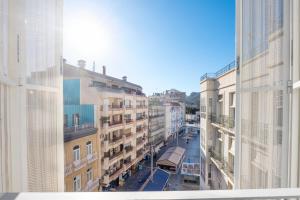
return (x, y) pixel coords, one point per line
(78, 131)
(128, 121)
(115, 156)
(115, 123)
(128, 149)
(219, 73)
(115, 139)
(115, 107)
(75, 166)
(116, 173)
(91, 158)
(127, 137)
(223, 121)
(128, 107)
(140, 129)
(91, 185)
(246, 194)
(221, 164)
(141, 106)
(141, 118)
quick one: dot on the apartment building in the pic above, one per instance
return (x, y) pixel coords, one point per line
(267, 94)
(31, 109)
(217, 128)
(166, 116)
(157, 121)
(81, 141)
(175, 119)
(122, 121)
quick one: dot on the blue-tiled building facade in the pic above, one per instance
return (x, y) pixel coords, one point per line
(73, 109)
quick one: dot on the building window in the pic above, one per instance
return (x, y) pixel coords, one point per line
(77, 184)
(89, 174)
(65, 120)
(76, 153)
(75, 118)
(89, 148)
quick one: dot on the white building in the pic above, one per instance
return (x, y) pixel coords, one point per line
(217, 128)
(31, 107)
(174, 113)
(268, 42)
(168, 108)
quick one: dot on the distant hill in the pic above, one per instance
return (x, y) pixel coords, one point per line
(193, 100)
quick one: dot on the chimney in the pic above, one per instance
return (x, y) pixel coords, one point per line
(81, 63)
(124, 78)
(104, 70)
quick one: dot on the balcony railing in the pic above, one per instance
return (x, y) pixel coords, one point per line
(115, 139)
(140, 129)
(140, 106)
(223, 120)
(156, 116)
(75, 166)
(220, 72)
(245, 194)
(91, 186)
(115, 123)
(128, 107)
(128, 121)
(116, 155)
(141, 118)
(115, 107)
(128, 149)
(222, 164)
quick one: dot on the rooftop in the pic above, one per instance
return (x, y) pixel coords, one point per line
(219, 73)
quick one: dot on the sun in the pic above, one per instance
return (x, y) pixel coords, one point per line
(90, 35)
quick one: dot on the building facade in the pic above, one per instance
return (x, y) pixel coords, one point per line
(217, 128)
(267, 94)
(122, 121)
(31, 109)
(157, 121)
(166, 116)
(175, 119)
(81, 141)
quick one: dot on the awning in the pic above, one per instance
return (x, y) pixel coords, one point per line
(160, 179)
(172, 157)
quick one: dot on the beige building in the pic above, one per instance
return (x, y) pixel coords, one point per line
(122, 120)
(82, 170)
(157, 121)
(217, 128)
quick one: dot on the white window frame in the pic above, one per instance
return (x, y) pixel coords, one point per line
(89, 149)
(76, 154)
(89, 175)
(77, 183)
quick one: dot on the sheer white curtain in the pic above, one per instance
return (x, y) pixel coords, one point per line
(31, 137)
(264, 30)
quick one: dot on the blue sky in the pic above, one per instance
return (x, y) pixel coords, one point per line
(158, 44)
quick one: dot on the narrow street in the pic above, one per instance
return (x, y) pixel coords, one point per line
(192, 155)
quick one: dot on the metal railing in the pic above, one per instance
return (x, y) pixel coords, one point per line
(223, 120)
(220, 72)
(115, 123)
(78, 128)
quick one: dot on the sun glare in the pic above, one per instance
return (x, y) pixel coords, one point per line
(88, 35)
